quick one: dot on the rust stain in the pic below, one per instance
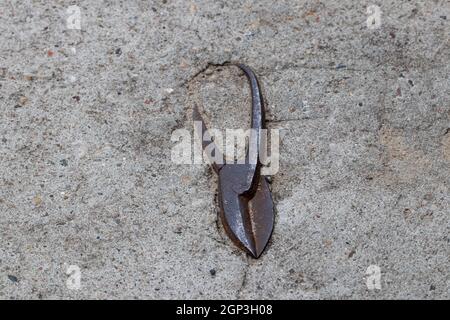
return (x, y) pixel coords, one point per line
(403, 162)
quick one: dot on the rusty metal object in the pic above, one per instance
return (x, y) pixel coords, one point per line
(246, 206)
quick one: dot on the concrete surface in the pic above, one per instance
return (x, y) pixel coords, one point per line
(87, 115)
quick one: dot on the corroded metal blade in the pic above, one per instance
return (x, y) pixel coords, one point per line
(246, 206)
(247, 218)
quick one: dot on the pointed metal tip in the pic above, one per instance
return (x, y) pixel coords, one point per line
(254, 252)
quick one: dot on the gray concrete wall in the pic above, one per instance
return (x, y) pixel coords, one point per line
(86, 177)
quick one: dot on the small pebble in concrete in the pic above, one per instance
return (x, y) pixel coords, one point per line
(212, 272)
(23, 100)
(13, 278)
(37, 200)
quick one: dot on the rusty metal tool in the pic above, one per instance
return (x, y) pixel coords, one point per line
(246, 206)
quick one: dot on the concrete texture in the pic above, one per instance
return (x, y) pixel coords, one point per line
(87, 115)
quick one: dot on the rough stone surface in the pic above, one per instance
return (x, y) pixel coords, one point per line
(86, 176)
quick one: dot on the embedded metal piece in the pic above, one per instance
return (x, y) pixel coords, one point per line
(246, 206)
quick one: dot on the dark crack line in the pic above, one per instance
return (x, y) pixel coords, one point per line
(202, 70)
(294, 119)
(244, 280)
(219, 232)
(330, 68)
(381, 114)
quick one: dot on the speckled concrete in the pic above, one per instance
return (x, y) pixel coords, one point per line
(86, 177)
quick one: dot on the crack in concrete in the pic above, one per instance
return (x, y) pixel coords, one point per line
(294, 119)
(244, 280)
(326, 68)
(381, 112)
(202, 70)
